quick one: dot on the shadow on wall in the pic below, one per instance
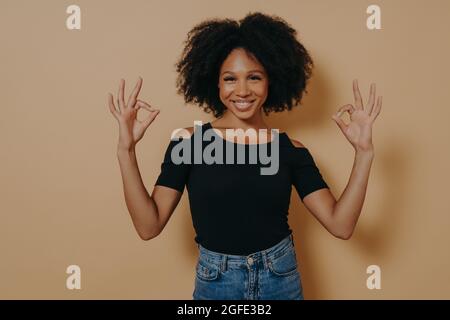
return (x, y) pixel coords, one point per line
(376, 239)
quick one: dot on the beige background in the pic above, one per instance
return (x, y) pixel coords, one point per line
(61, 191)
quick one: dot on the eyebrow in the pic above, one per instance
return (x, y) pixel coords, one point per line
(260, 71)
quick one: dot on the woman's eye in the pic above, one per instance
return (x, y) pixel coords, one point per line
(251, 77)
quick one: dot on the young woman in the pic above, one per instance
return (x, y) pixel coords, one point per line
(237, 71)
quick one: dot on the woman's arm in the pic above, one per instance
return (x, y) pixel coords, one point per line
(141, 206)
(340, 217)
(149, 214)
(348, 208)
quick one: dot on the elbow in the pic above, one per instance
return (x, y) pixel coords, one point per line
(344, 235)
(342, 230)
(146, 236)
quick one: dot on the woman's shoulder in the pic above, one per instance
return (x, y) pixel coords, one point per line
(184, 133)
(296, 143)
(189, 131)
(294, 153)
(291, 143)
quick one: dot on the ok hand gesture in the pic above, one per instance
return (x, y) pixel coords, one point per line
(131, 130)
(359, 131)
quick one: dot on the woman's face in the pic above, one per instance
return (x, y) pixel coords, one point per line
(243, 84)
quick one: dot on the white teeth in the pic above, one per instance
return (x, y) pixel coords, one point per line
(242, 104)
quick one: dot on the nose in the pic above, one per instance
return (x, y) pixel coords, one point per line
(242, 89)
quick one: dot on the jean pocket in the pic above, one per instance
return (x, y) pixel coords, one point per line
(206, 271)
(284, 265)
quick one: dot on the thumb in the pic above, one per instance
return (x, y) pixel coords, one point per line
(339, 122)
(152, 112)
(147, 121)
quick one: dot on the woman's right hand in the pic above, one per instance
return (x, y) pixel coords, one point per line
(131, 130)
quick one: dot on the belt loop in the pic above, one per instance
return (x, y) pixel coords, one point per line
(223, 264)
(264, 258)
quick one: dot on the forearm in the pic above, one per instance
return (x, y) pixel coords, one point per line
(348, 208)
(141, 206)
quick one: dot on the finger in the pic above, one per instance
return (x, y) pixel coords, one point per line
(377, 108)
(112, 107)
(147, 121)
(357, 94)
(337, 116)
(145, 105)
(339, 122)
(347, 108)
(371, 101)
(120, 95)
(133, 97)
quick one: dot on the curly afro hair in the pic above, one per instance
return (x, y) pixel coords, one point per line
(270, 39)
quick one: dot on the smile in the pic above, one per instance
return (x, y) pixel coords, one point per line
(242, 104)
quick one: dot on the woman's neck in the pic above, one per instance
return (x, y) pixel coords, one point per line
(229, 120)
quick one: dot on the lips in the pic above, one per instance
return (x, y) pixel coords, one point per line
(243, 105)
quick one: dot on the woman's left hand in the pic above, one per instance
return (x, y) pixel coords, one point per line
(359, 131)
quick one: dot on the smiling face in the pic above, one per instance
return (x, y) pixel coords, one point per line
(243, 84)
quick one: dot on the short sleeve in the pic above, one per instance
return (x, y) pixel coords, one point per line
(173, 175)
(306, 177)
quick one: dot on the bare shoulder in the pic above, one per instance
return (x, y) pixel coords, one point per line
(296, 143)
(190, 130)
(184, 133)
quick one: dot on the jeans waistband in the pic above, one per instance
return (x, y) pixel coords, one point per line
(263, 256)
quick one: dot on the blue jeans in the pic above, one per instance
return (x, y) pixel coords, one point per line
(270, 274)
